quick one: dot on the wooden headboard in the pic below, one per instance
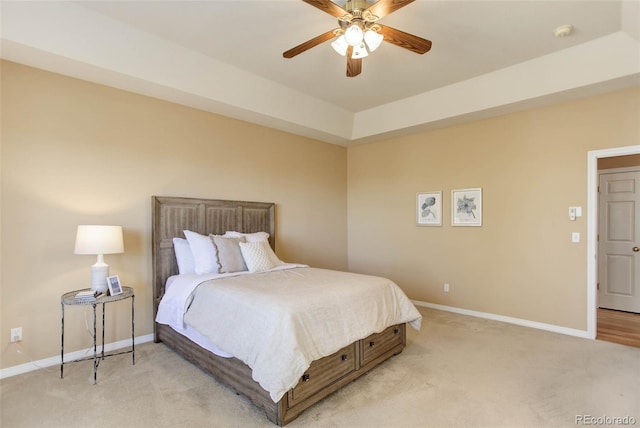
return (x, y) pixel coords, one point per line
(170, 216)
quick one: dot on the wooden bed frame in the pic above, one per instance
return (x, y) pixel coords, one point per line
(170, 216)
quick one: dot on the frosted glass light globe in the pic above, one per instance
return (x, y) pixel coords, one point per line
(359, 51)
(340, 45)
(373, 40)
(353, 35)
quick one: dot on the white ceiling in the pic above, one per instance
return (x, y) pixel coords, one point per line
(488, 57)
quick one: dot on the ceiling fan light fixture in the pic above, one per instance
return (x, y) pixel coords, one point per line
(373, 39)
(358, 33)
(359, 51)
(340, 45)
(353, 35)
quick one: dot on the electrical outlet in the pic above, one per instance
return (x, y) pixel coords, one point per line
(446, 288)
(16, 334)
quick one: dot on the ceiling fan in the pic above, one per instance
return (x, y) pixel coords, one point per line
(359, 32)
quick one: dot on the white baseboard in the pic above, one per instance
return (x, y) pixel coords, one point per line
(55, 361)
(510, 320)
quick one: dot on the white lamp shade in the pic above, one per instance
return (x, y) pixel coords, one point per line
(359, 51)
(99, 240)
(92, 239)
(373, 40)
(340, 45)
(353, 35)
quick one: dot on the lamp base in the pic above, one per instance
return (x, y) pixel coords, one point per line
(99, 274)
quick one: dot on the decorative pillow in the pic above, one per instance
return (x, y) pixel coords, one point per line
(205, 255)
(259, 256)
(249, 237)
(184, 256)
(229, 254)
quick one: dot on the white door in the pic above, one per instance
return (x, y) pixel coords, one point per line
(619, 241)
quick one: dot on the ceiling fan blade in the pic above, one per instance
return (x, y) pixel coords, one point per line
(405, 40)
(384, 7)
(354, 66)
(309, 44)
(328, 6)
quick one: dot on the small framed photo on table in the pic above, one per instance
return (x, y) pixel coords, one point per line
(114, 285)
(429, 209)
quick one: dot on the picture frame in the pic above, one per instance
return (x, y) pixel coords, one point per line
(429, 209)
(114, 285)
(466, 207)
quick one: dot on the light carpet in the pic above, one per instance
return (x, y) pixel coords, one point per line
(459, 371)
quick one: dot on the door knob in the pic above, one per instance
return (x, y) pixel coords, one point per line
(636, 249)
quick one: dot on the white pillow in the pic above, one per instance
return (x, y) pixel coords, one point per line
(205, 255)
(184, 256)
(249, 237)
(259, 256)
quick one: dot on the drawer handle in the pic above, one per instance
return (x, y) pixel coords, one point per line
(344, 357)
(396, 330)
(306, 377)
(372, 344)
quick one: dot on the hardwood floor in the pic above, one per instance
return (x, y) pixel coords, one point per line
(619, 327)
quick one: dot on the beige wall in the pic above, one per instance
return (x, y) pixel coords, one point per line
(78, 153)
(531, 166)
(73, 152)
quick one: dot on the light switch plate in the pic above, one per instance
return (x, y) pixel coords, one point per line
(575, 237)
(575, 212)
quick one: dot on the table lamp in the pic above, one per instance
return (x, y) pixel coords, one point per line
(99, 240)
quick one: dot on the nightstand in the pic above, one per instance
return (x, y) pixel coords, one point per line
(69, 299)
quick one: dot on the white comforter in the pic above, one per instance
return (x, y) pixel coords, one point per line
(278, 322)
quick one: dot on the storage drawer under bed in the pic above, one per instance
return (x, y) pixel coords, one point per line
(323, 372)
(379, 344)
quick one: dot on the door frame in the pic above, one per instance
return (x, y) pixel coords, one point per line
(592, 228)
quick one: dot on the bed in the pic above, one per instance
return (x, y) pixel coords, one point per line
(326, 374)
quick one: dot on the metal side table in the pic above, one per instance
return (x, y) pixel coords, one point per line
(69, 299)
